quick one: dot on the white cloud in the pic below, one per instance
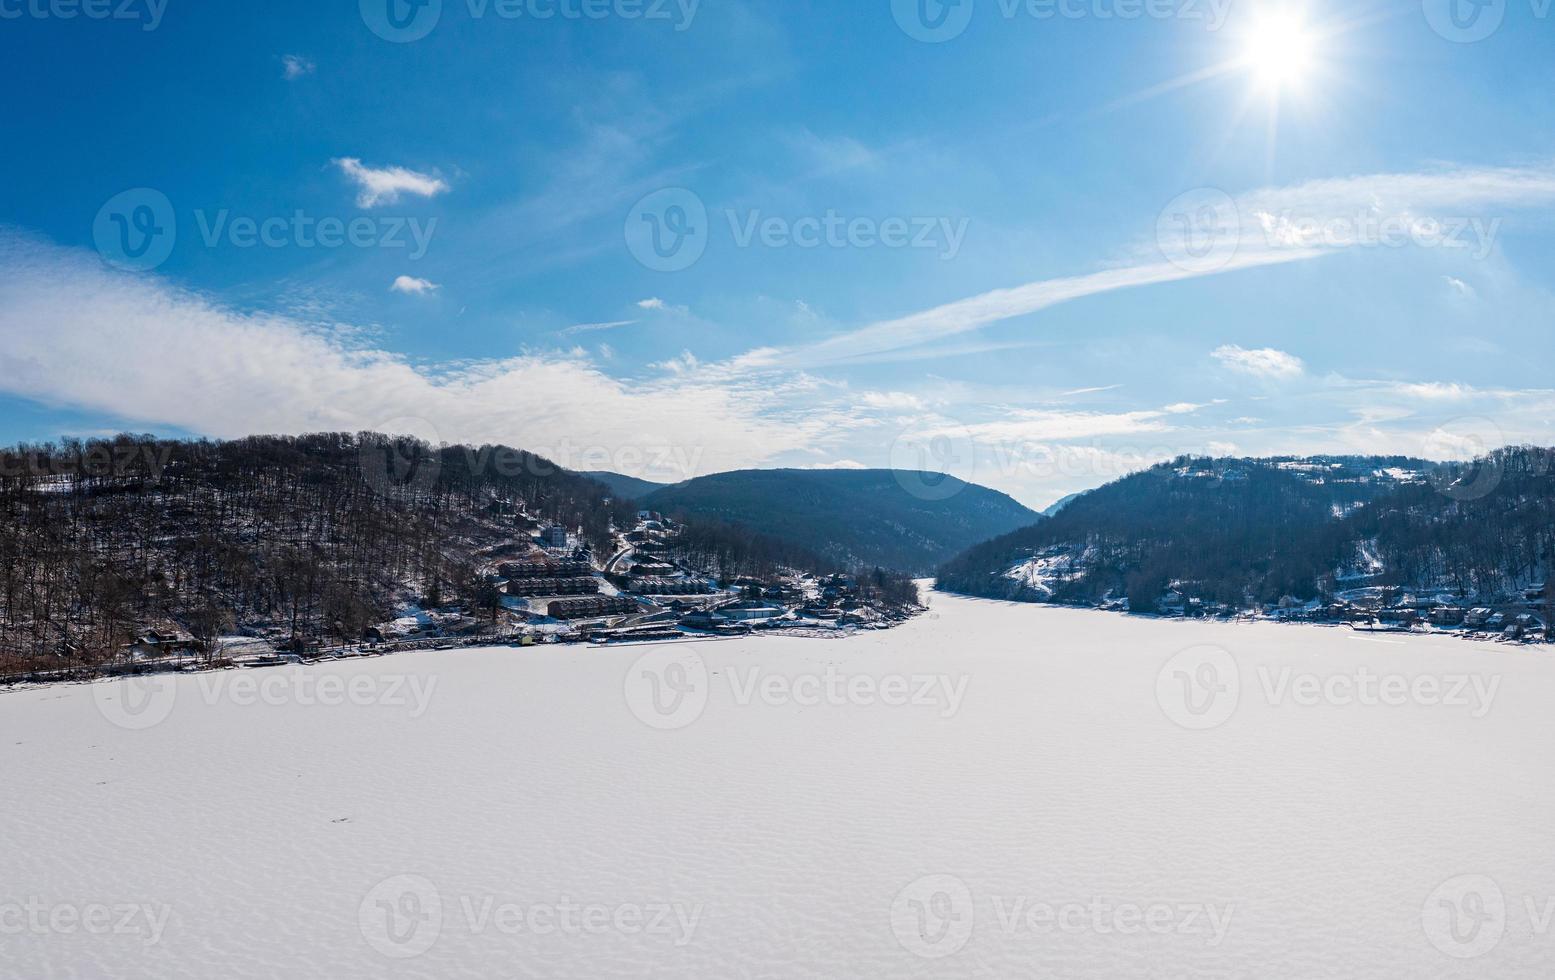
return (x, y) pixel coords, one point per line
(652, 303)
(139, 349)
(1435, 391)
(1459, 286)
(410, 285)
(841, 464)
(294, 66)
(1019, 427)
(1263, 363)
(377, 186)
(894, 400)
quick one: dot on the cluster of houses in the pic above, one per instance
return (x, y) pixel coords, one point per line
(1520, 617)
(549, 589)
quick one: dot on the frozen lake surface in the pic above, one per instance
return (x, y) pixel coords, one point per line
(991, 790)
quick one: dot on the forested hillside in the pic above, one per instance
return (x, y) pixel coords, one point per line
(1247, 531)
(852, 517)
(321, 534)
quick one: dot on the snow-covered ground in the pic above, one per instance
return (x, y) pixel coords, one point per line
(992, 790)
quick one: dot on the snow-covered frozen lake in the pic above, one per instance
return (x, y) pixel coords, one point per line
(993, 790)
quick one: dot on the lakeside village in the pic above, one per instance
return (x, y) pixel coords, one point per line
(1523, 615)
(548, 587)
(1521, 618)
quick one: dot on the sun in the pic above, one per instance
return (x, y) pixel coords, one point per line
(1280, 51)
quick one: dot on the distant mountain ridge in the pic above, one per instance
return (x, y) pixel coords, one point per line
(907, 522)
(1238, 531)
(623, 486)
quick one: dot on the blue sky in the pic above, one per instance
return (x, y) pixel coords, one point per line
(1005, 291)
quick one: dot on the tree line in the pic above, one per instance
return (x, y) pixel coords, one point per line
(1247, 532)
(316, 535)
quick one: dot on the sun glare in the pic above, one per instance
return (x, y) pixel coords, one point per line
(1279, 51)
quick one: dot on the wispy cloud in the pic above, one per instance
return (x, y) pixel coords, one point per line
(1089, 391)
(384, 185)
(1459, 287)
(295, 66)
(578, 328)
(1265, 362)
(1261, 228)
(656, 305)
